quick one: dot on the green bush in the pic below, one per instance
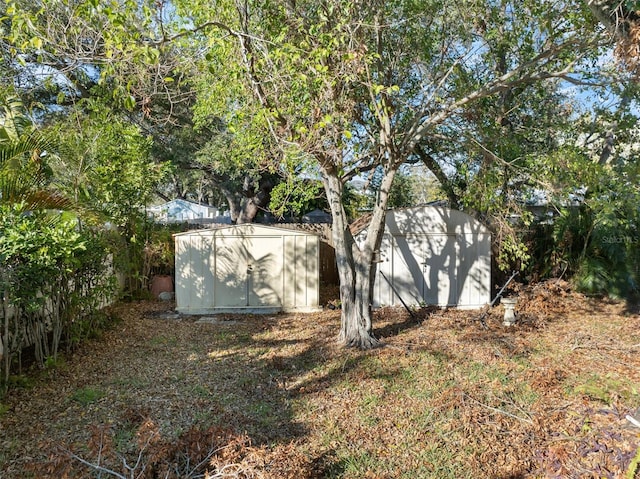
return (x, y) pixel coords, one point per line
(54, 277)
(594, 244)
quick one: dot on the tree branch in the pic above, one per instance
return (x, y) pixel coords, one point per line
(190, 31)
(611, 17)
(446, 184)
(514, 77)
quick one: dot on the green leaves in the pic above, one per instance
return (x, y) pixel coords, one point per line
(53, 276)
(130, 102)
(295, 196)
(123, 177)
(25, 153)
(38, 247)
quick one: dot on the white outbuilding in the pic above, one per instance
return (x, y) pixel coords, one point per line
(246, 268)
(433, 255)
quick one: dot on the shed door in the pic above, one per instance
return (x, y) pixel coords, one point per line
(424, 268)
(248, 271)
(265, 271)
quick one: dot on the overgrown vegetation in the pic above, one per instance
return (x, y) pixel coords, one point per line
(590, 230)
(54, 278)
(246, 105)
(105, 166)
(69, 223)
(600, 249)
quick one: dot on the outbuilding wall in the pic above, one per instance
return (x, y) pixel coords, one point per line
(246, 268)
(433, 255)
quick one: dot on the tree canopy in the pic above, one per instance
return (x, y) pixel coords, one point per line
(250, 93)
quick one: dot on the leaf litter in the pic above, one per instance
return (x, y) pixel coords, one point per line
(274, 396)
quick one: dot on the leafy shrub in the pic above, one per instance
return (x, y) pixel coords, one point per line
(53, 278)
(598, 246)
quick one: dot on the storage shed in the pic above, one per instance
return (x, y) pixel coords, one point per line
(246, 268)
(433, 255)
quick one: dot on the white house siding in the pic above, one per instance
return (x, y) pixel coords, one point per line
(247, 268)
(433, 255)
(178, 210)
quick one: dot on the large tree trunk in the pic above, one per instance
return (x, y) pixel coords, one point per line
(356, 326)
(233, 201)
(249, 210)
(242, 209)
(245, 204)
(356, 269)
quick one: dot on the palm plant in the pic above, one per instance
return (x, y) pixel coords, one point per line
(24, 153)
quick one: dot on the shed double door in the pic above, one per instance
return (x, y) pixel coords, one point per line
(248, 271)
(424, 266)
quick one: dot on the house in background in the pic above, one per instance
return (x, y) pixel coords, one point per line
(246, 268)
(317, 216)
(184, 211)
(433, 255)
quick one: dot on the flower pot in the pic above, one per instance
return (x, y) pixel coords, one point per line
(161, 284)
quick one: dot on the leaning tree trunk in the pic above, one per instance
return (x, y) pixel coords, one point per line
(355, 263)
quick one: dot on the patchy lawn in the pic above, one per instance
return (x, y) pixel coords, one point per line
(274, 397)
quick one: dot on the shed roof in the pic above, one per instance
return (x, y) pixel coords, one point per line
(247, 229)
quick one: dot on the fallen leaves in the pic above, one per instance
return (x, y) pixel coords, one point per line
(275, 397)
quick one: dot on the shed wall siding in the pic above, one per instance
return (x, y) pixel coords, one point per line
(248, 267)
(433, 256)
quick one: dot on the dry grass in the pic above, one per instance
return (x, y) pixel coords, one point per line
(274, 397)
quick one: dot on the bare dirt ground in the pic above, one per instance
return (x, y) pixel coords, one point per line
(274, 397)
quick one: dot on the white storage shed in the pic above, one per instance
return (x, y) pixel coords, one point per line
(246, 268)
(433, 255)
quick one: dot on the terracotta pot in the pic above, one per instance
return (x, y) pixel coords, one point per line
(161, 284)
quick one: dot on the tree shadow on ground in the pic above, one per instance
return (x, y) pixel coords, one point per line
(400, 320)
